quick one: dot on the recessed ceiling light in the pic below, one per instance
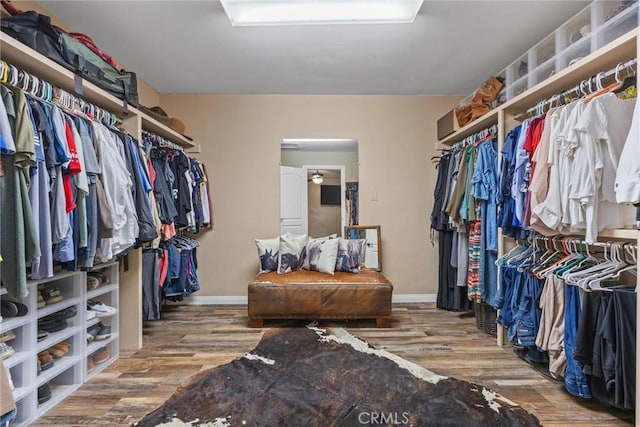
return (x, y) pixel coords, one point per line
(301, 12)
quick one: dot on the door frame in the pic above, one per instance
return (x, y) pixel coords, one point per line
(343, 189)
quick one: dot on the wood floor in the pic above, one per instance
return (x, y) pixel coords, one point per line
(194, 338)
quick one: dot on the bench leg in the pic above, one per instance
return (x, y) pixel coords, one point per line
(382, 322)
(256, 323)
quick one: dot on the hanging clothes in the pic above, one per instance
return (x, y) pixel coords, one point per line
(450, 295)
(562, 168)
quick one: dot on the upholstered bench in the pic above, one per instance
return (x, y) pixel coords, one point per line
(313, 295)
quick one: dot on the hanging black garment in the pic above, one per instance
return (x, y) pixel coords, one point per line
(180, 165)
(450, 296)
(161, 189)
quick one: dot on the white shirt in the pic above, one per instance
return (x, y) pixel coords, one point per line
(627, 184)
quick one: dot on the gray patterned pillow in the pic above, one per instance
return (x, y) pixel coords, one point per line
(292, 252)
(321, 255)
(350, 254)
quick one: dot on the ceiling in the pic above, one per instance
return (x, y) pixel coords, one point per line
(190, 46)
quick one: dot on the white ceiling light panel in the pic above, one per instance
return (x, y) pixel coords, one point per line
(309, 12)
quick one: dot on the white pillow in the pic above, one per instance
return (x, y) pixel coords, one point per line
(321, 255)
(292, 252)
(268, 253)
(330, 236)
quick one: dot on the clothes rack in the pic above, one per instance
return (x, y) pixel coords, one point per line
(478, 137)
(585, 87)
(162, 142)
(45, 91)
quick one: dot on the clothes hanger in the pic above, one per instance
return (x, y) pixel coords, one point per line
(594, 283)
(613, 265)
(611, 88)
(574, 277)
(564, 255)
(4, 71)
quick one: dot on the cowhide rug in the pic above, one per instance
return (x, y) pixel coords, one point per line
(314, 377)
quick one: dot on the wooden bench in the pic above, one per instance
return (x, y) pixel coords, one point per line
(313, 295)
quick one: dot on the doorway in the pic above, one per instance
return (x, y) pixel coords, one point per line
(320, 206)
(326, 207)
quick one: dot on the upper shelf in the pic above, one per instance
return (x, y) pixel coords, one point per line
(152, 125)
(22, 56)
(470, 128)
(619, 50)
(603, 59)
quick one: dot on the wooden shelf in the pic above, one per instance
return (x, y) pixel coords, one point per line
(601, 60)
(623, 233)
(621, 49)
(470, 128)
(22, 56)
(152, 125)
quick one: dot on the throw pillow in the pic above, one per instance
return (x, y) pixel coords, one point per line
(330, 236)
(350, 253)
(268, 251)
(292, 252)
(321, 255)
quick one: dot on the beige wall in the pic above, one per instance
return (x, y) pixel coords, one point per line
(240, 139)
(323, 220)
(334, 158)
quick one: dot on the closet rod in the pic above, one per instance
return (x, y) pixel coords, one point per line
(578, 241)
(482, 135)
(163, 142)
(41, 89)
(578, 89)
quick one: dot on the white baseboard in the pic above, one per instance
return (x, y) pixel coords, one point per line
(242, 300)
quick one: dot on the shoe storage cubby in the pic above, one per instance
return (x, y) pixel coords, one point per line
(106, 293)
(65, 348)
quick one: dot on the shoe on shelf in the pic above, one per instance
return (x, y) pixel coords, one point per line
(40, 301)
(90, 364)
(91, 314)
(6, 351)
(44, 393)
(101, 309)
(99, 275)
(67, 313)
(42, 335)
(51, 294)
(46, 360)
(12, 308)
(60, 349)
(92, 282)
(103, 333)
(52, 326)
(93, 331)
(7, 336)
(101, 355)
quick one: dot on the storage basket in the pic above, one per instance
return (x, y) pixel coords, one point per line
(486, 318)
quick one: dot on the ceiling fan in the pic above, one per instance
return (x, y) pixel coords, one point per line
(316, 177)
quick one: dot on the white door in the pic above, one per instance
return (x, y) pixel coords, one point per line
(293, 200)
